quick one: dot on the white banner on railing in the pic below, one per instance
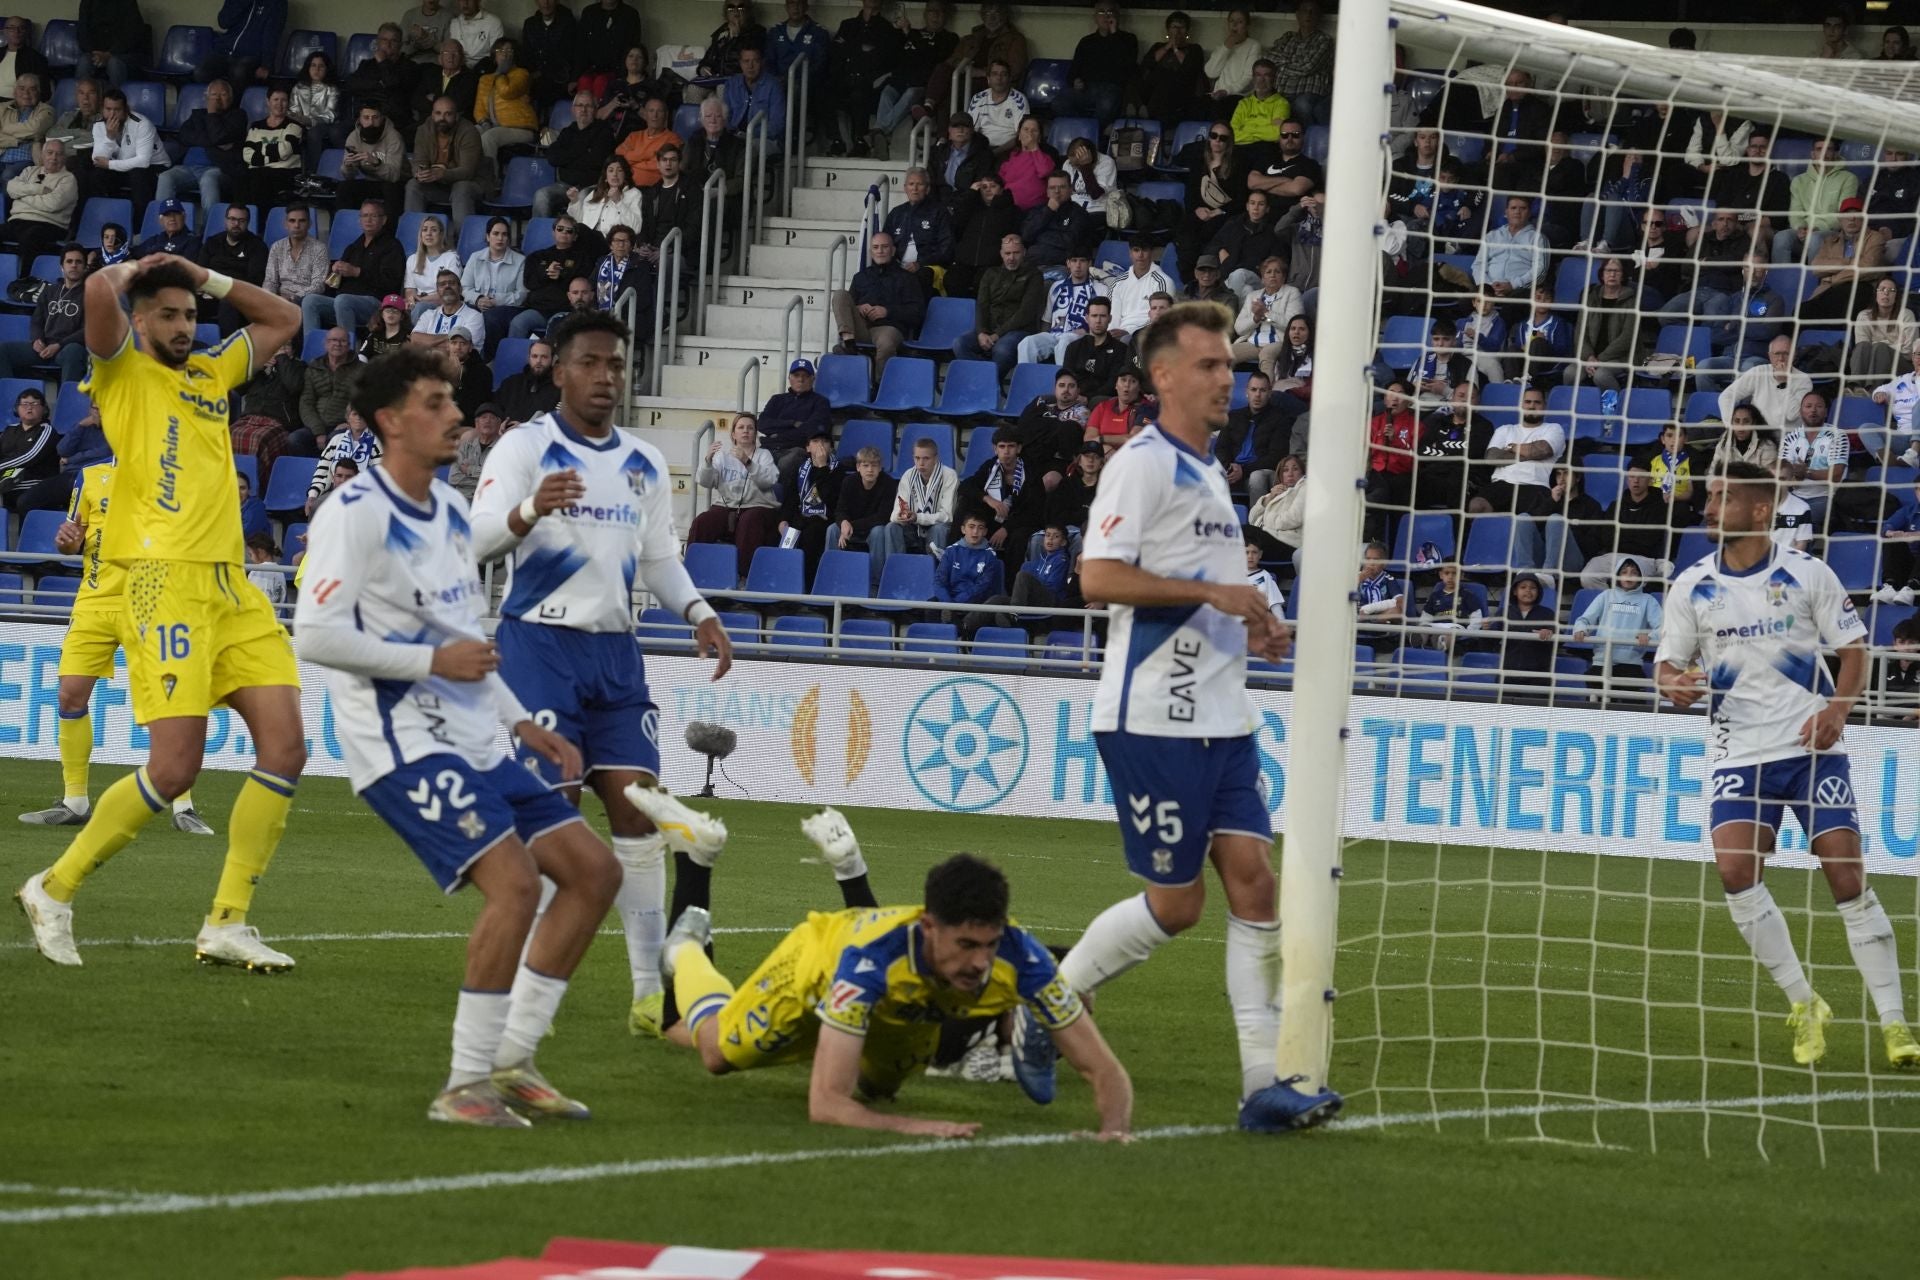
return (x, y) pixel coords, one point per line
(1420, 770)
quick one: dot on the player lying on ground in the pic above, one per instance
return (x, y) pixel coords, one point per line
(1171, 716)
(863, 992)
(584, 513)
(1756, 616)
(86, 653)
(393, 608)
(201, 635)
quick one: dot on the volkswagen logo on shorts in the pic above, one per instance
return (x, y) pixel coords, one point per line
(966, 745)
(1834, 793)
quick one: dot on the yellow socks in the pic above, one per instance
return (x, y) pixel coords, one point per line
(253, 832)
(124, 808)
(698, 988)
(76, 752)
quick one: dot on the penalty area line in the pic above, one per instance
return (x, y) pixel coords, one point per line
(159, 1204)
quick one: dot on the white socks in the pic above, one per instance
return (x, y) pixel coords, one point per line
(535, 1000)
(1765, 930)
(478, 1020)
(642, 903)
(1118, 939)
(1253, 989)
(1870, 935)
(79, 804)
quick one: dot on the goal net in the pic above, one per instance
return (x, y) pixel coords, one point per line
(1581, 247)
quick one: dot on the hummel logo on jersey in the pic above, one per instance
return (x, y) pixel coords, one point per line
(348, 499)
(865, 966)
(1141, 818)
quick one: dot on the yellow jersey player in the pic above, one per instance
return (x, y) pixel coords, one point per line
(86, 653)
(197, 633)
(864, 992)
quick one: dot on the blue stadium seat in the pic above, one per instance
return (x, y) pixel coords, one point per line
(150, 220)
(407, 229)
(9, 269)
(1580, 407)
(800, 630)
(1571, 278)
(345, 231)
(300, 44)
(1850, 414)
(189, 99)
(287, 484)
(249, 466)
(1701, 405)
(359, 49)
(10, 389)
(686, 120)
(1856, 561)
(473, 237)
(1163, 190)
(844, 573)
(215, 222)
(1316, 147)
(37, 530)
(663, 629)
(941, 433)
(906, 385)
(1064, 129)
(1684, 340)
(293, 543)
(45, 267)
(1112, 254)
(330, 162)
(1693, 547)
(253, 101)
(538, 235)
(97, 213)
(1240, 380)
(1489, 544)
(972, 388)
(56, 590)
(1000, 643)
(1047, 79)
(11, 588)
(777, 571)
(979, 450)
(1184, 135)
(857, 433)
(711, 565)
(906, 582)
(147, 99)
(525, 175)
(948, 319)
(313, 345)
(562, 115)
(931, 640)
(1468, 148)
(181, 50)
(66, 94)
(1648, 411)
(1029, 380)
(60, 44)
(509, 358)
(875, 634)
(1418, 530)
(15, 328)
(1885, 618)
(1898, 480)
(1401, 341)
(1603, 484)
(844, 380)
(70, 408)
(275, 229)
(1071, 646)
(744, 627)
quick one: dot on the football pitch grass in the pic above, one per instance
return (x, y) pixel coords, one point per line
(164, 1119)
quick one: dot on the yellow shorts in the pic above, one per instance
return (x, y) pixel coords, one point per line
(92, 638)
(195, 632)
(770, 1022)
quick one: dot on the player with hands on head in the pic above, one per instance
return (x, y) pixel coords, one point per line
(201, 635)
(1757, 618)
(1171, 716)
(393, 607)
(583, 513)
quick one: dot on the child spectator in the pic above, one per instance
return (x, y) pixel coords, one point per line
(1899, 568)
(1452, 605)
(1046, 579)
(810, 500)
(863, 507)
(1896, 683)
(1626, 622)
(1263, 581)
(969, 572)
(1526, 647)
(260, 550)
(253, 513)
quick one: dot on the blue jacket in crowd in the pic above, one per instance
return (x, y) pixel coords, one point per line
(968, 575)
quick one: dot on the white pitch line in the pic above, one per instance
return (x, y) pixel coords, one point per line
(559, 1175)
(378, 935)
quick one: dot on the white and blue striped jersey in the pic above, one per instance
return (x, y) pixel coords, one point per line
(1178, 671)
(579, 565)
(385, 583)
(1759, 636)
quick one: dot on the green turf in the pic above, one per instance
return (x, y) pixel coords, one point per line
(144, 1073)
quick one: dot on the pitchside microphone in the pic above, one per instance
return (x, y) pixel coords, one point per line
(715, 742)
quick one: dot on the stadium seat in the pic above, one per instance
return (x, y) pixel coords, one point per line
(799, 630)
(931, 640)
(313, 345)
(509, 358)
(844, 380)
(1064, 129)
(9, 270)
(1316, 147)
(711, 565)
(947, 320)
(10, 389)
(181, 50)
(359, 49)
(60, 44)
(1163, 190)
(66, 94)
(473, 237)
(1029, 381)
(1579, 408)
(37, 530)
(407, 229)
(1648, 411)
(844, 573)
(1693, 548)
(1047, 79)
(1572, 277)
(1885, 618)
(293, 542)
(941, 433)
(1071, 646)
(663, 628)
(1489, 546)
(147, 99)
(906, 582)
(875, 634)
(253, 101)
(287, 484)
(188, 99)
(215, 222)
(70, 408)
(1603, 484)
(249, 466)
(906, 385)
(537, 236)
(686, 120)
(1854, 412)
(1112, 255)
(1856, 561)
(1184, 135)
(858, 433)
(1418, 530)
(1684, 340)
(972, 389)
(1701, 406)
(45, 267)
(525, 175)
(1238, 400)
(97, 213)
(330, 162)
(562, 115)
(300, 44)
(1401, 341)
(11, 591)
(345, 231)
(979, 450)
(744, 627)
(777, 571)
(1000, 643)
(1898, 480)
(54, 591)
(15, 328)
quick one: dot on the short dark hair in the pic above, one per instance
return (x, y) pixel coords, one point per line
(1907, 630)
(261, 540)
(386, 381)
(167, 275)
(967, 890)
(1165, 331)
(289, 210)
(576, 323)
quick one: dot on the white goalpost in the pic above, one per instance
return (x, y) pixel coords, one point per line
(1498, 903)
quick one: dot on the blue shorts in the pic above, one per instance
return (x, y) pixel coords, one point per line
(590, 687)
(451, 813)
(1175, 794)
(1818, 789)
